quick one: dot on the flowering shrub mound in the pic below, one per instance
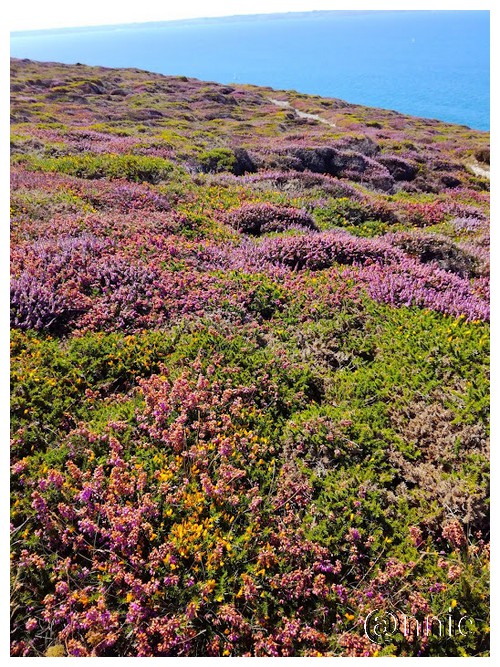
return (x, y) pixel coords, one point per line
(399, 168)
(328, 160)
(299, 182)
(410, 283)
(250, 361)
(438, 249)
(323, 250)
(75, 276)
(44, 295)
(257, 219)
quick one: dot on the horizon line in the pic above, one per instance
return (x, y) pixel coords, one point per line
(229, 17)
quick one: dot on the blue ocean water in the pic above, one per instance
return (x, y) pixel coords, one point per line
(433, 64)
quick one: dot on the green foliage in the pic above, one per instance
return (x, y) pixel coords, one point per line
(329, 409)
(120, 129)
(217, 159)
(138, 168)
(271, 455)
(40, 205)
(50, 379)
(343, 212)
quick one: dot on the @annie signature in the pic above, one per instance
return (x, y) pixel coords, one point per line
(384, 624)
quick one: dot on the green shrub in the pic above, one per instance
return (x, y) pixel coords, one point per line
(217, 159)
(138, 168)
(343, 212)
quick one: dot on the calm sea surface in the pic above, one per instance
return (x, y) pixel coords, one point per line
(431, 64)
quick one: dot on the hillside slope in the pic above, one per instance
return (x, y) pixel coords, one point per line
(249, 371)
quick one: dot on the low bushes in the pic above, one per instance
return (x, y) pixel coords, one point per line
(353, 214)
(438, 249)
(138, 168)
(234, 433)
(217, 160)
(257, 219)
(320, 251)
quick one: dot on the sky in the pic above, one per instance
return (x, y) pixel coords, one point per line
(44, 14)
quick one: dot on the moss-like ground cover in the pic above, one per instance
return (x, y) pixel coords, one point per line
(250, 399)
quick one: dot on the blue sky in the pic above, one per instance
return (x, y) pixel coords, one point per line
(36, 15)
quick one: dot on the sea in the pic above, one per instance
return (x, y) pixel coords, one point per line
(432, 64)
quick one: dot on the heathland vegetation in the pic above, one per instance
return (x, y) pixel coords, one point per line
(249, 370)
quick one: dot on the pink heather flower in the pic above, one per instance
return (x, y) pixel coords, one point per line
(31, 624)
(76, 649)
(418, 603)
(357, 647)
(454, 572)
(453, 532)
(87, 526)
(38, 503)
(415, 535)
(19, 467)
(85, 495)
(226, 447)
(254, 503)
(337, 568)
(341, 592)
(353, 535)
(191, 610)
(437, 587)
(55, 478)
(62, 588)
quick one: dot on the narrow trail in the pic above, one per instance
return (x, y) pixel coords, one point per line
(478, 170)
(284, 104)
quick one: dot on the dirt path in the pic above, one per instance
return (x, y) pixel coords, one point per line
(478, 170)
(284, 104)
